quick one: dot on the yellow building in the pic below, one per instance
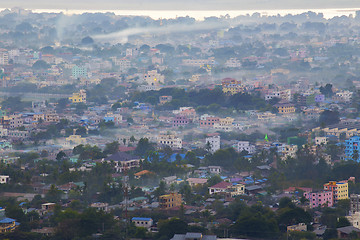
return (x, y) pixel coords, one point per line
(170, 200)
(78, 97)
(75, 140)
(231, 86)
(340, 189)
(285, 108)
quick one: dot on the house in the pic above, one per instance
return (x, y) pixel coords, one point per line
(208, 120)
(196, 181)
(169, 180)
(297, 227)
(123, 161)
(214, 169)
(227, 187)
(165, 99)
(100, 206)
(321, 140)
(75, 140)
(4, 179)
(180, 121)
(345, 232)
(193, 236)
(8, 225)
(142, 222)
(79, 97)
(170, 200)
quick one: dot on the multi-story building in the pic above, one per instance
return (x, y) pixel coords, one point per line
(320, 198)
(78, 97)
(231, 86)
(266, 116)
(123, 161)
(282, 94)
(170, 140)
(4, 58)
(321, 140)
(285, 108)
(245, 146)
(354, 203)
(180, 121)
(16, 121)
(352, 147)
(287, 151)
(208, 120)
(170, 200)
(226, 187)
(153, 77)
(213, 142)
(198, 62)
(79, 72)
(339, 190)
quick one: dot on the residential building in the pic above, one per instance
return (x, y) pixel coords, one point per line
(75, 140)
(153, 78)
(170, 140)
(302, 227)
(8, 225)
(245, 146)
(196, 181)
(165, 99)
(170, 201)
(352, 146)
(181, 121)
(285, 108)
(321, 140)
(4, 179)
(143, 222)
(208, 120)
(227, 187)
(354, 203)
(123, 161)
(231, 86)
(100, 206)
(117, 119)
(213, 143)
(198, 62)
(287, 151)
(339, 189)
(320, 198)
(79, 72)
(282, 94)
(78, 97)
(193, 236)
(214, 169)
(266, 116)
(354, 219)
(232, 63)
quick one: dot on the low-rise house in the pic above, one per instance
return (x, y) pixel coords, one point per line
(302, 227)
(143, 222)
(227, 187)
(100, 206)
(321, 140)
(169, 180)
(4, 179)
(214, 169)
(8, 225)
(344, 232)
(196, 181)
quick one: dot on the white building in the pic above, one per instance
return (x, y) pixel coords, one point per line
(4, 179)
(170, 140)
(245, 146)
(214, 143)
(153, 78)
(321, 140)
(142, 222)
(214, 169)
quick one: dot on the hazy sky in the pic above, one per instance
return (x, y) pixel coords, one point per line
(179, 4)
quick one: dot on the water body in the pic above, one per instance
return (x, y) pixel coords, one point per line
(200, 15)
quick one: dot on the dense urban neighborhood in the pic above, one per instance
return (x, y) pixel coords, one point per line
(127, 127)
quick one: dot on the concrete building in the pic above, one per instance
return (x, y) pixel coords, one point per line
(169, 140)
(78, 97)
(79, 72)
(4, 179)
(245, 146)
(143, 222)
(213, 143)
(170, 200)
(320, 198)
(339, 189)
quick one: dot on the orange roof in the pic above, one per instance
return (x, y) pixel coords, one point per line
(143, 172)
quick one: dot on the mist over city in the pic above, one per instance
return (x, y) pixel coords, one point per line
(179, 120)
